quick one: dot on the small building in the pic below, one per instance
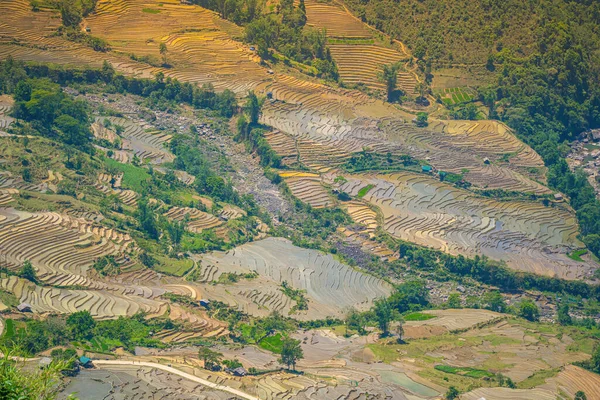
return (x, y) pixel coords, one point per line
(486, 160)
(426, 168)
(239, 371)
(44, 362)
(88, 29)
(85, 362)
(24, 307)
(596, 135)
(204, 302)
(558, 196)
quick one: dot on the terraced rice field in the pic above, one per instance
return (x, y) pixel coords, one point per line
(310, 190)
(332, 131)
(322, 126)
(354, 49)
(360, 63)
(61, 248)
(101, 304)
(423, 210)
(508, 394)
(196, 220)
(446, 321)
(6, 103)
(338, 22)
(451, 96)
(145, 142)
(573, 379)
(201, 50)
(330, 286)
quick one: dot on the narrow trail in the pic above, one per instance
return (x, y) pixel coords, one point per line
(185, 375)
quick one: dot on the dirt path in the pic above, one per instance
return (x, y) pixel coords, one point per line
(172, 370)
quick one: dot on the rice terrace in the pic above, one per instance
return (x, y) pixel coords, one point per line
(299, 199)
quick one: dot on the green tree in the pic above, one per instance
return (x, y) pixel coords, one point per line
(163, 52)
(383, 315)
(253, 106)
(452, 393)
(18, 382)
(595, 361)
(422, 119)
(175, 230)
(454, 301)
(563, 314)
(529, 310)
(71, 12)
(28, 272)
(389, 77)
(355, 321)
(210, 357)
(81, 324)
(22, 91)
(580, 395)
(147, 219)
(494, 301)
(400, 331)
(291, 352)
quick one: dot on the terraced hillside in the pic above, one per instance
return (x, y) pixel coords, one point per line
(355, 48)
(330, 286)
(318, 125)
(61, 248)
(421, 209)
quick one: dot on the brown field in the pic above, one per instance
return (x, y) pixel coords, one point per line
(446, 321)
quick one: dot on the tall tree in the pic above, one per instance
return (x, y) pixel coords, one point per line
(383, 314)
(81, 324)
(163, 52)
(291, 352)
(253, 107)
(210, 357)
(389, 76)
(28, 272)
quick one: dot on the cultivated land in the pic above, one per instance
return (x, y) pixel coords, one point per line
(327, 124)
(331, 287)
(319, 131)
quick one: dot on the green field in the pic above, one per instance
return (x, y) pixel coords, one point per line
(576, 255)
(451, 96)
(132, 176)
(173, 266)
(464, 371)
(272, 343)
(417, 316)
(9, 329)
(362, 192)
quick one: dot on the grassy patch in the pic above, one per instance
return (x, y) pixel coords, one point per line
(464, 371)
(363, 191)
(272, 343)
(8, 299)
(576, 255)
(132, 176)
(173, 266)
(417, 316)
(497, 340)
(538, 378)
(150, 10)
(9, 329)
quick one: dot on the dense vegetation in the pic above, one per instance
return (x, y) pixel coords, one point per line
(52, 112)
(284, 30)
(546, 59)
(33, 336)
